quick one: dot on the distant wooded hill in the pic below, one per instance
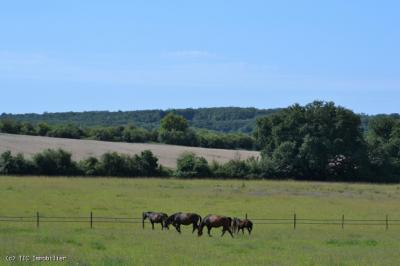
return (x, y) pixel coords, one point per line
(223, 119)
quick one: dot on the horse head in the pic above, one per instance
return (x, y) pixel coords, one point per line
(169, 220)
(200, 228)
(200, 231)
(144, 216)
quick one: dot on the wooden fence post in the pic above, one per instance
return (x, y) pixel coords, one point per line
(37, 219)
(387, 222)
(294, 221)
(343, 221)
(91, 220)
(246, 216)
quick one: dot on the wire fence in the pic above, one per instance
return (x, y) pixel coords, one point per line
(293, 221)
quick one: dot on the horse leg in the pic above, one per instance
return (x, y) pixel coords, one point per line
(242, 230)
(209, 231)
(179, 228)
(152, 225)
(176, 227)
(230, 232)
(223, 232)
(194, 227)
(249, 229)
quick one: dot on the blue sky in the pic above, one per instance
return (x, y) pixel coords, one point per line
(127, 55)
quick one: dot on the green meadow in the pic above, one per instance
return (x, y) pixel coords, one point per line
(129, 244)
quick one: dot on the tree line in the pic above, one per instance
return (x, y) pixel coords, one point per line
(318, 141)
(60, 163)
(174, 129)
(221, 119)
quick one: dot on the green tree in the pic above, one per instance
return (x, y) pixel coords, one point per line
(10, 126)
(175, 130)
(384, 148)
(43, 129)
(173, 122)
(303, 141)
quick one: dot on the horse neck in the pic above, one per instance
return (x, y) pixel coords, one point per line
(202, 224)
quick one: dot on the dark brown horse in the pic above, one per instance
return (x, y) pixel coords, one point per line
(211, 221)
(239, 224)
(180, 218)
(155, 217)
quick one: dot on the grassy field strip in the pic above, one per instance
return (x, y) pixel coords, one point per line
(129, 244)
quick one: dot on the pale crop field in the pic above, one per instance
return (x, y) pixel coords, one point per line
(81, 149)
(129, 244)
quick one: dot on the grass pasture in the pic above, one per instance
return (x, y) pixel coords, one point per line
(128, 244)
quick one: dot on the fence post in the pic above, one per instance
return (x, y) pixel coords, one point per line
(294, 221)
(37, 219)
(343, 221)
(387, 222)
(91, 220)
(246, 216)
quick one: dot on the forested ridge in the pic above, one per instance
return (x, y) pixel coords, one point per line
(224, 119)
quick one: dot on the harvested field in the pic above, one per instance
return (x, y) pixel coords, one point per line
(167, 154)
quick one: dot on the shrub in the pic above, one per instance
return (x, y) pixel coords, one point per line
(10, 126)
(17, 165)
(186, 138)
(147, 163)
(190, 165)
(114, 164)
(90, 166)
(234, 169)
(68, 131)
(55, 162)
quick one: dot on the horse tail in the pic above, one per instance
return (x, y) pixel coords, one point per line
(230, 222)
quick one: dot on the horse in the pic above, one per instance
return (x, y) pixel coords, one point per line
(180, 218)
(211, 221)
(155, 217)
(239, 224)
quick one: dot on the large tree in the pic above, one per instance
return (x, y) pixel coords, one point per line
(173, 122)
(175, 130)
(316, 141)
(384, 147)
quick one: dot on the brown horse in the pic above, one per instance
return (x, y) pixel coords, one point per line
(241, 225)
(155, 217)
(180, 218)
(211, 221)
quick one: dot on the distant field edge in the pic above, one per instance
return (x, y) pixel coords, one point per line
(81, 149)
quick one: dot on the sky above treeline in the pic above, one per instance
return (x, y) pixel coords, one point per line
(72, 55)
